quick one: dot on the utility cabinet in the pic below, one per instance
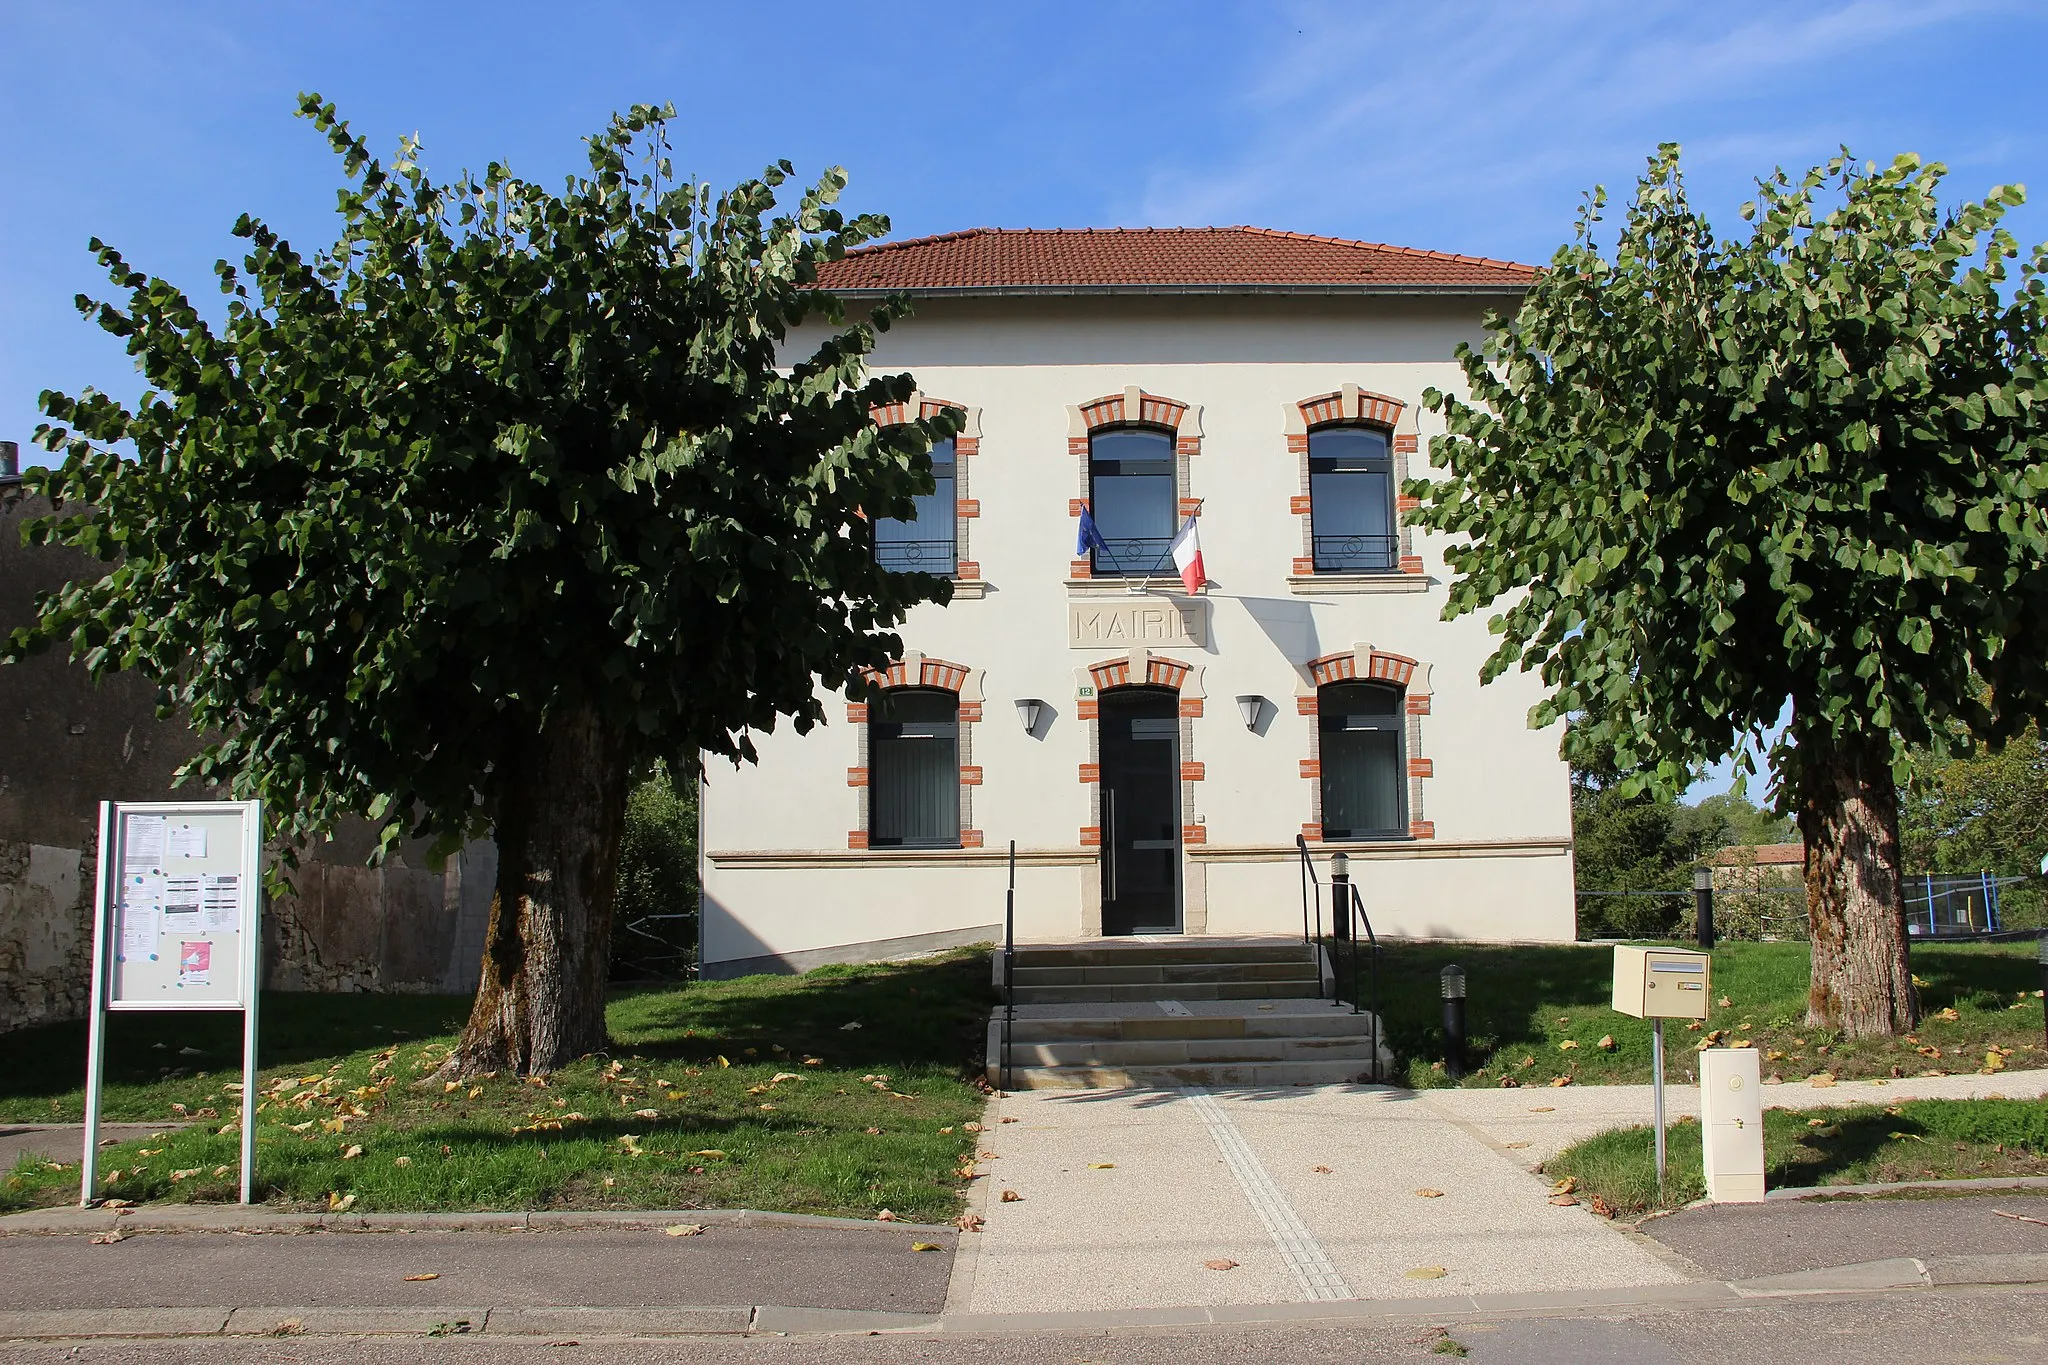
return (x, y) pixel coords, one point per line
(1732, 1125)
(1661, 983)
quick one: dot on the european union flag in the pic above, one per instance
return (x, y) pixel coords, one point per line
(1090, 538)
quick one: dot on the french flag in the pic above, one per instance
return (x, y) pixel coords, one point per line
(1187, 557)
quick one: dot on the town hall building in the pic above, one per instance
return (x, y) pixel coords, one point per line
(1157, 756)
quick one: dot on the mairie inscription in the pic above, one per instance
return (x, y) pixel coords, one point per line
(1142, 621)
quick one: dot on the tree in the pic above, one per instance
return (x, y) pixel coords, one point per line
(1985, 810)
(503, 494)
(1711, 474)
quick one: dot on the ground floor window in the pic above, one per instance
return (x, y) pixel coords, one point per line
(914, 769)
(1361, 760)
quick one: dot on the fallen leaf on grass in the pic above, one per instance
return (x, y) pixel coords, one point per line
(105, 1239)
(1012, 1197)
(684, 1229)
(1565, 1186)
(969, 1128)
(339, 1203)
(1602, 1207)
(646, 1113)
(1896, 1137)
(1556, 1081)
(220, 1171)
(1427, 1193)
(1220, 1263)
(407, 1161)
(887, 1216)
(1725, 1003)
(1510, 1083)
(1427, 1272)
(1606, 1043)
(352, 1151)
(1949, 1014)
(847, 1028)
(429, 1275)
(1567, 1045)
(926, 1246)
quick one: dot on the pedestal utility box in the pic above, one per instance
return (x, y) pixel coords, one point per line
(1732, 1125)
(1661, 983)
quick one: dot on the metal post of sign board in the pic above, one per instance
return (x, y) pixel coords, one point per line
(177, 896)
(1657, 1096)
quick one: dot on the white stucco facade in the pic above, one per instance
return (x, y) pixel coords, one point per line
(1488, 853)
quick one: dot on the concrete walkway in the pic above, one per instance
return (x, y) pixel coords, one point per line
(1534, 1124)
(1126, 1197)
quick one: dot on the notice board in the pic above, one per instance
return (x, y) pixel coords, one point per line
(180, 889)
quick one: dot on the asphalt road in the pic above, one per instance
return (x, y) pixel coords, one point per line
(1743, 1241)
(814, 1267)
(1928, 1325)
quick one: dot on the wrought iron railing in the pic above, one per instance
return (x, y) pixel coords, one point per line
(1357, 554)
(1312, 897)
(1347, 919)
(918, 556)
(1134, 556)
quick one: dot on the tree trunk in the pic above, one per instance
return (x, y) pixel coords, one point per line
(1855, 908)
(547, 953)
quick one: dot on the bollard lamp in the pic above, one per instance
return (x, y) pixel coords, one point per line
(1453, 979)
(1340, 865)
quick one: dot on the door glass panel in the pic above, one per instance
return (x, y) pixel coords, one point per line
(1140, 774)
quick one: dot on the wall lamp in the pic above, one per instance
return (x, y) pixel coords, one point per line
(1249, 707)
(1030, 710)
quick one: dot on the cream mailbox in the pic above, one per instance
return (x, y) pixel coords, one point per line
(1660, 983)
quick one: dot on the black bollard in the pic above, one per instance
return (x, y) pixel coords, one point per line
(1453, 978)
(2044, 984)
(1703, 906)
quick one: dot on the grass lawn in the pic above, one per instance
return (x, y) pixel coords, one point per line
(844, 1091)
(1538, 1015)
(1870, 1145)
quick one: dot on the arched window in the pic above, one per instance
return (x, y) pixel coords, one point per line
(914, 769)
(1351, 500)
(1363, 769)
(1131, 495)
(925, 542)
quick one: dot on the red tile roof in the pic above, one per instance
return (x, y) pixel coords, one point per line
(1759, 855)
(1166, 260)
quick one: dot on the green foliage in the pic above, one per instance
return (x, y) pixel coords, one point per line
(1710, 474)
(497, 454)
(1982, 811)
(1645, 843)
(657, 881)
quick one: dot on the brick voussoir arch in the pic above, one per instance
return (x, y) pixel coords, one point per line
(1134, 407)
(917, 670)
(1367, 664)
(1349, 406)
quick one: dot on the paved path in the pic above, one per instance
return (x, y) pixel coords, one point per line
(1312, 1192)
(1743, 1241)
(1535, 1124)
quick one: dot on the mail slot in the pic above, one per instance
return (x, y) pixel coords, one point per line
(1661, 983)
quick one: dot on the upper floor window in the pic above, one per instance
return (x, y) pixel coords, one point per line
(1351, 501)
(924, 542)
(914, 769)
(1360, 748)
(1131, 494)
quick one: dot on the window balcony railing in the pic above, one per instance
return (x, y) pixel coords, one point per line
(1135, 556)
(1357, 554)
(918, 556)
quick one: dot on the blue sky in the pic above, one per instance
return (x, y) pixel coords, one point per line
(1468, 127)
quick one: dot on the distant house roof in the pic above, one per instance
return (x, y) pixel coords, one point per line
(1213, 260)
(1760, 855)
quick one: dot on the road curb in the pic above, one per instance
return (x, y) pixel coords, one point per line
(1985, 1184)
(170, 1218)
(1873, 1277)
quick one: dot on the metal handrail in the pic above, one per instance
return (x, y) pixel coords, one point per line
(1009, 965)
(1379, 1022)
(1312, 890)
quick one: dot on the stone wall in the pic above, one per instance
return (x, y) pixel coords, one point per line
(67, 743)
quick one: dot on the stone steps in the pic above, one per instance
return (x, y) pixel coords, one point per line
(1214, 1012)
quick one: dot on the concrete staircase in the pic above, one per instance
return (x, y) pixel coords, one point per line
(1116, 1013)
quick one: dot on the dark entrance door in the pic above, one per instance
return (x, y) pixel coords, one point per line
(1140, 749)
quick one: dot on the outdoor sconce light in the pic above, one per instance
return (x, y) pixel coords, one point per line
(1030, 710)
(1248, 707)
